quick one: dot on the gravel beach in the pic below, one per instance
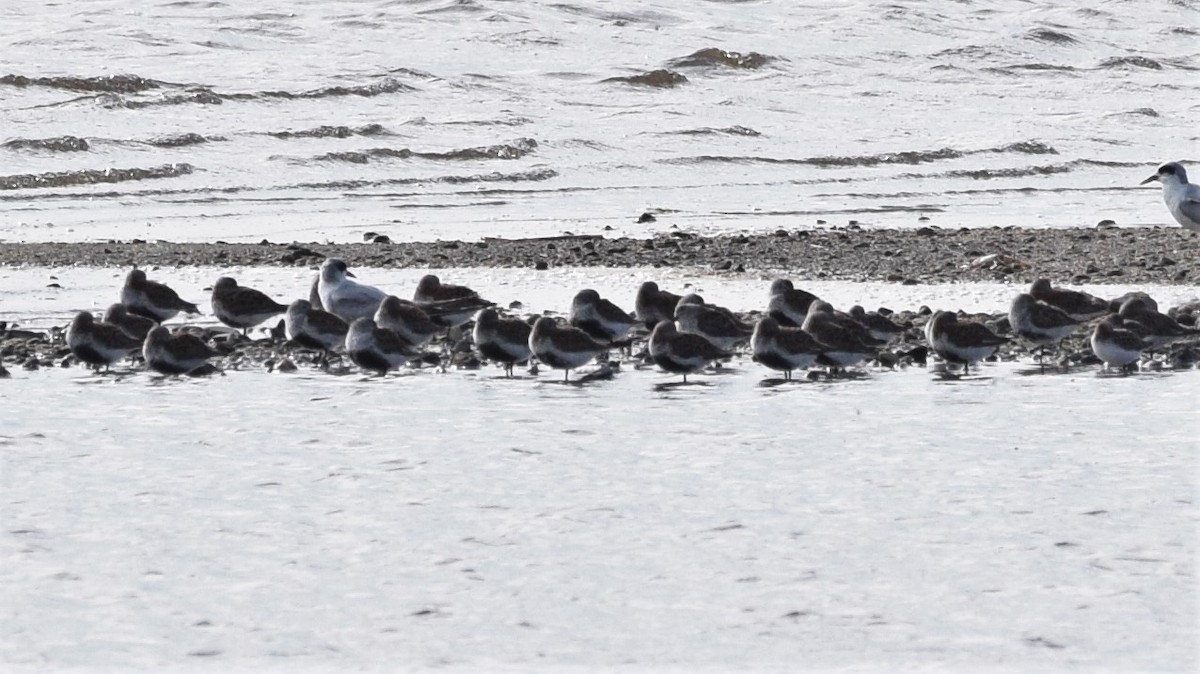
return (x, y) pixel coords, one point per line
(924, 255)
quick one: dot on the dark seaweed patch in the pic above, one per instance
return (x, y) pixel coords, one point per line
(663, 79)
(713, 57)
(122, 84)
(60, 144)
(91, 176)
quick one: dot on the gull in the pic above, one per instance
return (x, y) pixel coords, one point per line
(1182, 198)
(345, 298)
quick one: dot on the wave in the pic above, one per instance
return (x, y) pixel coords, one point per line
(91, 176)
(126, 84)
(709, 131)
(663, 79)
(60, 144)
(907, 157)
(1051, 36)
(713, 57)
(333, 132)
(181, 140)
(1131, 62)
(515, 150)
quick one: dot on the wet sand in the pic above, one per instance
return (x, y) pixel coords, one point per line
(923, 255)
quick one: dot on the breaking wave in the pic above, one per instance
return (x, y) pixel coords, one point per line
(515, 150)
(91, 176)
(60, 144)
(907, 157)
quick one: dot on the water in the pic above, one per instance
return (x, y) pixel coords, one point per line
(460, 521)
(319, 120)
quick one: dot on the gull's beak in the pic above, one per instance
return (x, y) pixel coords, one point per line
(1150, 179)
(351, 274)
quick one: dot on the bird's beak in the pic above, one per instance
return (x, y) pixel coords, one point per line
(351, 274)
(1150, 179)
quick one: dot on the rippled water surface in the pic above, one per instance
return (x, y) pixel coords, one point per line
(461, 521)
(433, 119)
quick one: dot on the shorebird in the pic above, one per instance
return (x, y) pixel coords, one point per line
(407, 320)
(787, 305)
(1182, 198)
(682, 352)
(563, 348)
(430, 289)
(344, 297)
(783, 348)
(653, 306)
(962, 343)
(1115, 344)
(131, 324)
(880, 327)
(600, 318)
(1078, 305)
(715, 324)
(314, 328)
(1039, 323)
(376, 349)
(175, 353)
(99, 344)
(1158, 328)
(151, 298)
(241, 307)
(504, 340)
(453, 312)
(843, 346)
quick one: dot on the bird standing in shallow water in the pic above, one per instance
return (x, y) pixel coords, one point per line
(783, 348)
(963, 343)
(681, 352)
(344, 297)
(1182, 198)
(99, 343)
(241, 307)
(1115, 344)
(1039, 323)
(175, 353)
(151, 298)
(562, 347)
(503, 340)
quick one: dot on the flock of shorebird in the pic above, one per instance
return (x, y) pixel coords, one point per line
(798, 331)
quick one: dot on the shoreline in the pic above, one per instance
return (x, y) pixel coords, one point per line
(1168, 256)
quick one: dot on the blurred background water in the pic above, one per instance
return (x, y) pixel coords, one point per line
(319, 120)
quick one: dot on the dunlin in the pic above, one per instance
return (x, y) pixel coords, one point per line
(843, 346)
(314, 328)
(1115, 344)
(151, 298)
(345, 297)
(880, 327)
(407, 320)
(430, 289)
(131, 324)
(1039, 323)
(652, 306)
(376, 349)
(175, 353)
(1078, 305)
(682, 352)
(783, 348)
(562, 347)
(599, 317)
(452, 313)
(787, 305)
(1182, 198)
(963, 343)
(241, 307)
(99, 344)
(712, 323)
(503, 340)
(1157, 328)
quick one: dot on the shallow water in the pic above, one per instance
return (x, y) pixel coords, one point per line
(461, 521)
(315, 120)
